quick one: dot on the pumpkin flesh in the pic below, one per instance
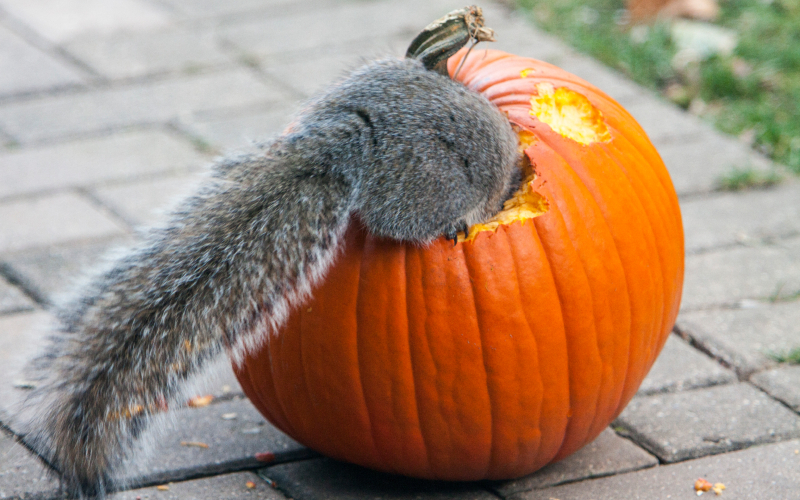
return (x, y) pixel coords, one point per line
(513, 348)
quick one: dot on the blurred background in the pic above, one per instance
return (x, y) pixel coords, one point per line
(735, 63)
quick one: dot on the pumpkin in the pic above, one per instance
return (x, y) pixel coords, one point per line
(515, 347)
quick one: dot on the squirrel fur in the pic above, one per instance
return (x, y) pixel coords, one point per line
(412, 153)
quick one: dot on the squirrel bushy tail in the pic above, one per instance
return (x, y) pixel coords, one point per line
(413, 153)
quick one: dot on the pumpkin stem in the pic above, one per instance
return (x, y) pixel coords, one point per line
(445, 36)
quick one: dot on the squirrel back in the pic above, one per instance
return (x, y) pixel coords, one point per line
(413, 153)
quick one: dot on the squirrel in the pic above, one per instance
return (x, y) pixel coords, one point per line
(410, 152)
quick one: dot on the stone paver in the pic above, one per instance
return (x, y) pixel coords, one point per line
(155, 102)
(21, 474)
(147, 202)
(680, 367)
(65, 19)
(743, 217)
(22, 336)
(243, 485)
(607, 455)
(137, 54)
(697, 161)
(24, 68)
(762, 472)
(12, 299)
(49, 272)
(234, 432)
(268, 35)
(692, 424)
(239, 132)
(217, 9)
(744, 338)
(311, 74)
(782, 383)
(86, 162)
(326, 479)
(730, 276)
(49, 220)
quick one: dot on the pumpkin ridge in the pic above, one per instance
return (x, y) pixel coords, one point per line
(652, 279)
(607, 323)
(603, 323)
(281, 406)
(658, 217)
(653, 276)
(583, 378)
(544, 362)
(626, 387)
(481, 336)
(534, 341)
(359, 333)
(418, 395)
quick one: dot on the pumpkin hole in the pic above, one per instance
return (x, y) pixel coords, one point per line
(569, 114)
(524, 204)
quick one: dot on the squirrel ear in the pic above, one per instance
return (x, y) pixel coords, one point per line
(445, 36)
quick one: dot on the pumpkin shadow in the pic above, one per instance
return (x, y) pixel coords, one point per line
(327, 478)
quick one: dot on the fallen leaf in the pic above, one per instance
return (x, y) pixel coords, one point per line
(196, 444)
(201, 401)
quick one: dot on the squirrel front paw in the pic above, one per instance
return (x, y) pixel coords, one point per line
(451, 233)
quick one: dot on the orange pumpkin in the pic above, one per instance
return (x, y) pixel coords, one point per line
(517, 346)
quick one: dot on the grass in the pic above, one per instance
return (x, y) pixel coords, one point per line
(753, 92)
(739, 179)
(791, 356)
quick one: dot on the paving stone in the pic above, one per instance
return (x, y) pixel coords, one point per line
(618, 87)
(22, 337)
(696, 163)
(241, 131)
(680, 367)
(781, 383)
(85, 162)
(232, 444)
(325, 479)
(664, 122)
(718, 419)
(268, 34)
(742, 217)
(52, 219)
(219, 381)
(12, 299)
(744, 338)
(21, 474)
(129, 55)
(48, 273)
(224, 487)
(726, 277)
(309, 74)
(608, 454)
(146, 202)
(62, 20)
(217, 9)
(24, 68)
(155, 102)
(769, 472)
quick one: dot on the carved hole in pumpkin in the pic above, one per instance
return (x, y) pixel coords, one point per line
(524, 204)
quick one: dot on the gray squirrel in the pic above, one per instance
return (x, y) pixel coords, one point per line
(411, 153)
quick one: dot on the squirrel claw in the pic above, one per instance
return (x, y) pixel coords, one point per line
(452, 234)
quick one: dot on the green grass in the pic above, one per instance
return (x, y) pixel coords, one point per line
(791, 356)
(739, 179)
(753, 93)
